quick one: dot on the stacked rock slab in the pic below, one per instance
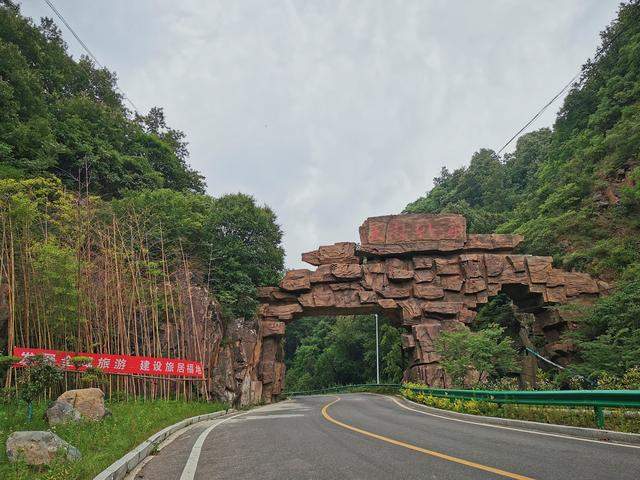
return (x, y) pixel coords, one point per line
(426, 272)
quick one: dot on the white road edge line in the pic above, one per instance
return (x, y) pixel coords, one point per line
(568, 437)
(277, 416)
(189, 471)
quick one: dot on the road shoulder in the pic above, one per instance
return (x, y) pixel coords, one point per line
(631, 440)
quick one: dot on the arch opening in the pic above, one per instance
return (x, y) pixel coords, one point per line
(324, 351)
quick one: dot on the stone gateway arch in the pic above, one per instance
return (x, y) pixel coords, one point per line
(427, 273)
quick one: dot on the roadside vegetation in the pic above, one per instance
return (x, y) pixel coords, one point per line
(486, 354)
(101, 443)
(616, 419)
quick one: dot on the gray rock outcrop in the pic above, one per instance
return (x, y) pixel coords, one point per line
(39, 448)
(62, 412)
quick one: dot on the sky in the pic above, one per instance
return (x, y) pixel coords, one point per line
(333, 111)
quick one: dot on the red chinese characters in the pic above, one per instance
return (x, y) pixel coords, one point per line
(118, 364)
(399, 229)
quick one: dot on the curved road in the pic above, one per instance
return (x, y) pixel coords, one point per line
(372, 437)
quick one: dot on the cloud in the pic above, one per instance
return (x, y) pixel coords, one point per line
(332, 111)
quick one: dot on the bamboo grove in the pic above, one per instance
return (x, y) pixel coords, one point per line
(85, 275)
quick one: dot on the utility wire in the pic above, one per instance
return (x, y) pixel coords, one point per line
(541, 111)
(566, 87)
(10, 4)
(86, 49)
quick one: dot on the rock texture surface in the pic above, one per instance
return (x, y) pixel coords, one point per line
(39, 448)
(228, 348)
(62, 412)
(235, 364)
(89, 402)
(430, 275)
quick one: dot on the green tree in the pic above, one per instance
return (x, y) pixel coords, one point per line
(327, 351)
(65, 118)
(38, 375)
(56, 274)
(609, 335)
(470, 358)
(243, 245)
(232, 241)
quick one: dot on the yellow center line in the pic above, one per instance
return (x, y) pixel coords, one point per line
(432, 453)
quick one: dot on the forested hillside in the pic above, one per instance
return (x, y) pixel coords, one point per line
(66, 118)
(573, 191)
(105, 228)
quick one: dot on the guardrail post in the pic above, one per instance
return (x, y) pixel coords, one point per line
(599, 411)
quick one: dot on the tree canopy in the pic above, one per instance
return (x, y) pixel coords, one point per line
(234, 243)
(66, 118)
(325, 351)
(471, 358)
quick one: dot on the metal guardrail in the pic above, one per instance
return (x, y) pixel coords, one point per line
(567, 398)
(597, 399)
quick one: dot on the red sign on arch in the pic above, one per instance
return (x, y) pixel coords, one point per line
(118, 364)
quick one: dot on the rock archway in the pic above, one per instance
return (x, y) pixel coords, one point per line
(430, 275)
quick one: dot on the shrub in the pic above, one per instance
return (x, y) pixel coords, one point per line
(80, 361)
(7, 395)
(629, 381)
(39, 374)
(487, 353)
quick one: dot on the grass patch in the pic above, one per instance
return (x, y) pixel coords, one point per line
(621, 420)
(101, 443)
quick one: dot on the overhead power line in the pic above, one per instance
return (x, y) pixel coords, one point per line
(540, 112)
(565, 88)
(10, 4)
(86, 49)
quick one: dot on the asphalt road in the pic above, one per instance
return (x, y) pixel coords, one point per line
(364, 436)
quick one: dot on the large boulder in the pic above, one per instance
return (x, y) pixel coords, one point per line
(88, 401)
(39, 448)
(62, 412)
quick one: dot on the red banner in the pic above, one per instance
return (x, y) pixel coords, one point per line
(118, 364)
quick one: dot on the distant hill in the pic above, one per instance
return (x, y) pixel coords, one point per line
(573, 190)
